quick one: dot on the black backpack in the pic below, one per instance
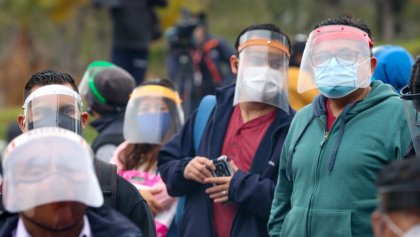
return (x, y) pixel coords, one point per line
(114, 139)
(107, 177)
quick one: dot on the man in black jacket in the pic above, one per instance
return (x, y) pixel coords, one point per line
(117, 192)
(50, 182)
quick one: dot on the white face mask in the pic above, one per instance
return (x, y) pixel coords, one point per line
(414, 231)
(263, 81)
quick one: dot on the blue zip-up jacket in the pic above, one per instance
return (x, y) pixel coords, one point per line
(252, 191)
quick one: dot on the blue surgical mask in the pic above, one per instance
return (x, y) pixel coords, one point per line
(153, 126)
(335, 80)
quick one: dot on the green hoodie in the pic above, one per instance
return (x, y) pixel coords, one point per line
(326, 183)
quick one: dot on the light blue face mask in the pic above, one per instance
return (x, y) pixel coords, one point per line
(335, 80)
(153, 126)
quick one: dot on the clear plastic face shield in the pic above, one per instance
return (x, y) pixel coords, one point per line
(336, 60)
(153, 115)
(87, 79)
(53, 106)
(48, 165)
(411, 108)
(263, 69)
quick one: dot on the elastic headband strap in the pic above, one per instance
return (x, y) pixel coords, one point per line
(95, 90)
(337, 32)
(265, 42)
(155, 90)
(405, 94)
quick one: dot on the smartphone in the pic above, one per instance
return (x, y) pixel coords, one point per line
(223, 167)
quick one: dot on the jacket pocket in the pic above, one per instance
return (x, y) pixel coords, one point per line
(331, 223)
(294, 223)
(361, 217)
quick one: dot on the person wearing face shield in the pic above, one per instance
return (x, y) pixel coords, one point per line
(106, 89)
(411, 98)
(153, 115)
(49, 180)
(248, 125)
(337, 144)
(398, 212)
(52, 100)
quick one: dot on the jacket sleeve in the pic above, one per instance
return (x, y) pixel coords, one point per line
(174, 156)
(250, 190)
(281, 201)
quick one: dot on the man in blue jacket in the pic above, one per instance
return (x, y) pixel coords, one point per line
(248, 125)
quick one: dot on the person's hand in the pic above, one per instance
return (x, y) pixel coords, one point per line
(198, 169)
(154, 205)
(219, 192)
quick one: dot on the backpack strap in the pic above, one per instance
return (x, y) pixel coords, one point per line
(107, 177)
(203, 114)
(204, 111)
(114, 139)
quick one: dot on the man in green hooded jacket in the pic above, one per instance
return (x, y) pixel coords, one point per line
(337, 145)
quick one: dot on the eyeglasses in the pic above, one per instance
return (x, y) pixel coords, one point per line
(275, 61)
(343, 57)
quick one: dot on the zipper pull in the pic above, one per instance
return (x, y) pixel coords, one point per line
(324, 139)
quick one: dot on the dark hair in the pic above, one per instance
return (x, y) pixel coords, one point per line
(399, 183)
(48, 77)
(270, 27)
(348, 21)
(160, 82)
(136, 155)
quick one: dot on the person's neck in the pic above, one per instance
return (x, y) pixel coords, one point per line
(337, 105)
(37, 231)
(252, 110)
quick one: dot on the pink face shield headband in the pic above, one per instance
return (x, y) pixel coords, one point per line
(337, 32)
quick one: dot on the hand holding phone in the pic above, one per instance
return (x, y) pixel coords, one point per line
(223, 167)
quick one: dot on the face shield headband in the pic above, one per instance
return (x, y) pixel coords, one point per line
(338, 32)
(265, 38)
(88, 79)
(52, 90)
(155, 90)
(405, 94)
